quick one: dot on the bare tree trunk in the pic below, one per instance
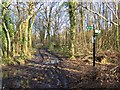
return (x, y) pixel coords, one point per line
(8, 40)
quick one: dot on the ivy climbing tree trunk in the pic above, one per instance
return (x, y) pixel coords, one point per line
(31, 19)
(72, 28)
(119, 20)
(29, 33)
(117, 29)
(30, 24)
(25, 37)
(82, 17)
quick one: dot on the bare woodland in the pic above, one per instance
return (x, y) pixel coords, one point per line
(36, 33)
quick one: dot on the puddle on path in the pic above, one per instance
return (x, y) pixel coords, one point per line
(36, 74)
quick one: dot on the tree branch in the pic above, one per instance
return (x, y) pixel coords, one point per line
(111, 9)
(98, 14)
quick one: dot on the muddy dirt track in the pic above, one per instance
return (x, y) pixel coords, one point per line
(47, 70)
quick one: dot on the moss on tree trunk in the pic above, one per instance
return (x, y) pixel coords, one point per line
(72, 28)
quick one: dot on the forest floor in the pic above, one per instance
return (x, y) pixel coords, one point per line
(47, 70)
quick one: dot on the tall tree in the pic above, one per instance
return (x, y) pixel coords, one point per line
(72, 28)
(119, 20)
(6, 25)
(31, 19)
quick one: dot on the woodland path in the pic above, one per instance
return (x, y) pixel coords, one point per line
(40, 72)
(47, 70)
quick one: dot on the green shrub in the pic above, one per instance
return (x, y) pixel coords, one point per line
(8, 61)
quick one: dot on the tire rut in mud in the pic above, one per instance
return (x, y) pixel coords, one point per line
(27, 76)
(55, 74)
